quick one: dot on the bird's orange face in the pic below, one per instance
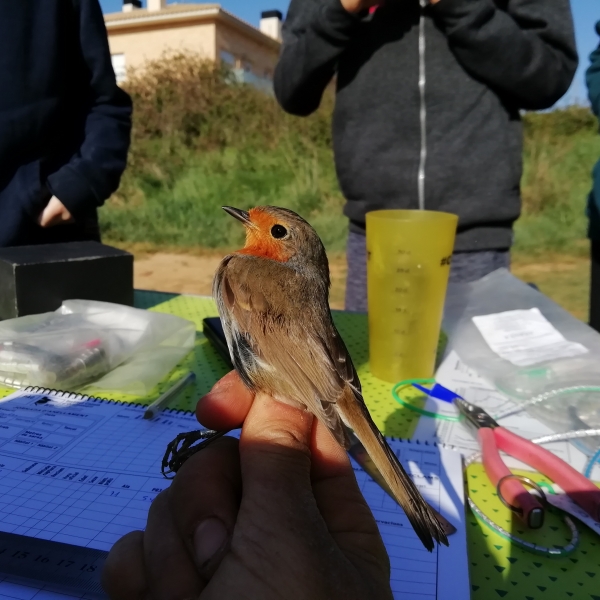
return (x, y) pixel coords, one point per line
(267, 235)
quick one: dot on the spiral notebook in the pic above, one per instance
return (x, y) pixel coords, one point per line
(77, 473)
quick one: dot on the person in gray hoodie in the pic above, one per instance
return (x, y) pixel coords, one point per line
(427, 109)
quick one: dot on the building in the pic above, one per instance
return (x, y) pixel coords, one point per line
(138, 34)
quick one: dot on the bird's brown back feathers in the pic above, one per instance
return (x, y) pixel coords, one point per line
(283, 342)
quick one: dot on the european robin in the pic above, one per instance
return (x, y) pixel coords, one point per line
(272, 296)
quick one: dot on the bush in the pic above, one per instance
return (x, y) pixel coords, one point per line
(199, 103)
(560, 149)
(558, 124)
(201, 140)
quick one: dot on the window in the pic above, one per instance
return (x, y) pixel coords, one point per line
(227, 58)
(247, 66)
(118, 64)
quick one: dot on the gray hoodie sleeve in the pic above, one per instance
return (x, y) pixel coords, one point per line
(526, 52)
(315, 33)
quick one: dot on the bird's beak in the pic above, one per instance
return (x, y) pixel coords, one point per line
(240, 215)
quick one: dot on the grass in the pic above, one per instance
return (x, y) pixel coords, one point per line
(201, 141)
(183, 209)
(564, 278)
(556, 182)
(186, 211)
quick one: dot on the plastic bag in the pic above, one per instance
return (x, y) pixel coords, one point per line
(500, 292)
(117, 347)
(563, 393)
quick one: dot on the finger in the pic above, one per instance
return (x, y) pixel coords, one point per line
(185, 546)
(226, 405)
(275, 464)
(43, 218)
(123, 576)
(275, 446)
(342, 504)
(169, 568)
(329, 459)
(336, 490)
(278, 504)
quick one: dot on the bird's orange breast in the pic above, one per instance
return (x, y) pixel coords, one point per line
(265, 249)
(260, 242)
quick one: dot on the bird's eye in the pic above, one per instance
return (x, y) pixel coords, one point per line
(278, 231)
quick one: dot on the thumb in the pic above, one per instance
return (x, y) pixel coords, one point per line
(275, 452)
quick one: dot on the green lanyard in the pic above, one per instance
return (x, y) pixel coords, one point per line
(419, 411)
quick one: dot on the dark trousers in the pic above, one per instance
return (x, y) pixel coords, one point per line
(466, 267)
(595, 286)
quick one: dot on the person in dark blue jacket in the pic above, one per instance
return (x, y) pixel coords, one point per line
(593, 207)
(64, 123)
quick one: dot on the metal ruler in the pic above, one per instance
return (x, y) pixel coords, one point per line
(65, 567)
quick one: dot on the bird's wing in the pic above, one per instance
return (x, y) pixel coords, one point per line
(230, 303)
(288, 347)
(277, 344)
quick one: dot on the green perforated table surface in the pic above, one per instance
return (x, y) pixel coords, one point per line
(497, 568)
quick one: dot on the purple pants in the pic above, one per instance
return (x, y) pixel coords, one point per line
(466, 267)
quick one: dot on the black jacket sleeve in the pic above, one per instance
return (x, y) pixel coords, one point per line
(526, 52)
(315, 33)
(94, 172)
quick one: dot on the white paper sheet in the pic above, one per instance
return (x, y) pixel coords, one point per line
(85, 473)
(525, 337)
(418, 574)
(81, 473)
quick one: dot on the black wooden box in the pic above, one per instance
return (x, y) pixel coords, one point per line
(37, 279)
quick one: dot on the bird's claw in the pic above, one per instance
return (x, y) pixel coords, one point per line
(182, 447)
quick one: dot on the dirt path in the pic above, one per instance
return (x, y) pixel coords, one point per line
(565, 281)
(181, 273)
(191, 274)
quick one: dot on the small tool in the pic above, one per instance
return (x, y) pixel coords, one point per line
(163, 400)
(510, 488)
(439, 392)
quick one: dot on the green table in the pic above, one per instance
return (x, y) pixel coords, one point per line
(497, 568)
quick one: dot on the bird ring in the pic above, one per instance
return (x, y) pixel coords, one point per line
(526, 481)
(182, 448)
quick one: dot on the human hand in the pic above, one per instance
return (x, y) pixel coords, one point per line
(356, 6)
(278, 515)
(55, 213)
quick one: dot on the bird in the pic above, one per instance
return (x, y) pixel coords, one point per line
(273, 299)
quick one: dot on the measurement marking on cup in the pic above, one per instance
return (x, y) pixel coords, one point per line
(407, 279)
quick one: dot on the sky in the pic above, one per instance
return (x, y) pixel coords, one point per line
(585, 14)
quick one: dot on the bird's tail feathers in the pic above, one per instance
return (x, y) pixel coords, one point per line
(426, 525)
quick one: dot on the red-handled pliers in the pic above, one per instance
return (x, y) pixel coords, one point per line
(493, 438)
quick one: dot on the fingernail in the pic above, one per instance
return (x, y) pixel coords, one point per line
(210, 537)
(221, 387)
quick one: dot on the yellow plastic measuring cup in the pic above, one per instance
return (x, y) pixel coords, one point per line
(409, 254)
